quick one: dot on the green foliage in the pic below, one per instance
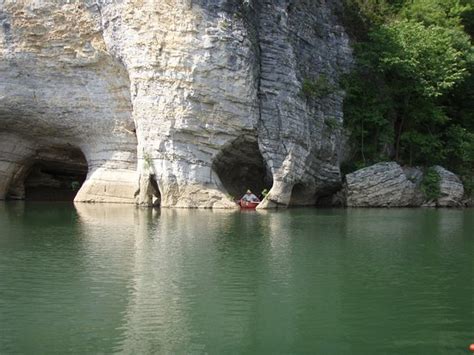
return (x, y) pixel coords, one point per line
(461, 148)
(431, 59)
(430, 184)
(148, 160)
(468, 182)
(350, 166)
(75, 185)
(359, 16)
(445, 13)
(467, 18)
(460, 155)
(367, 107)
(410, 96)
(318, 88)
(332, 123)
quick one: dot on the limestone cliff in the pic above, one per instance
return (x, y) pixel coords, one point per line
(61, 91)
(187, 101)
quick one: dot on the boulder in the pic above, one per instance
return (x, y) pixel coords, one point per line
(390, 185)
(380, 185)
(451, 189)
(415, 175)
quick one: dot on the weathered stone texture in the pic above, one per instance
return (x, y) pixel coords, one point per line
(379, 185)
(300, 135)
(59, 87)
(388, 185)
(190, 78)
(451, 189)
(194, 89)
(13, 151)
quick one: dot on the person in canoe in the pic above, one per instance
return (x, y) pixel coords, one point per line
(249, 201)
(249, 197)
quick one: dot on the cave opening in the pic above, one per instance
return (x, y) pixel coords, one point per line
(301, 195)
(240, 166)
(155, 190)
(53, 174)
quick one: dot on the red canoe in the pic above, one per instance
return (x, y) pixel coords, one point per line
(248, 205)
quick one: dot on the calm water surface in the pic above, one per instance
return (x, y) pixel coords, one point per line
(106, 279)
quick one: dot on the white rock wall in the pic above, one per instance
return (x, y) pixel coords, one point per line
(190, 78)
(60, 87)
(300, 136)
(193, 90)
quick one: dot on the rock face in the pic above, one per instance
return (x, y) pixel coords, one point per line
(451, 189)
(61, 92)
(388, 185)
(187, 102)
(380, 185)
(300, 134)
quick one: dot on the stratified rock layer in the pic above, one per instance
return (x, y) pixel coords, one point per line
(451, 188)
(61, 90)
(379, 185)
(203, 92)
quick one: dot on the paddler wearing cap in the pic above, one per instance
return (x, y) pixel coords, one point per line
(250, 197)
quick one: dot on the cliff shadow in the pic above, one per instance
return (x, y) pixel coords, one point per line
(155, 191)
(240, 166)
(52, 174)
(301, 196)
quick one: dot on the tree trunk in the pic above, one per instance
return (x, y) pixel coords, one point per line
(362, 142)
(398, 135)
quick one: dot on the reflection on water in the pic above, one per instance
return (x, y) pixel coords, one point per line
(116, 278)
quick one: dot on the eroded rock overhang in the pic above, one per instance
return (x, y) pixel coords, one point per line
(62, 92)
(208, 95)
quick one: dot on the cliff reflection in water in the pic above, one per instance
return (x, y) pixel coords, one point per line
(209, 281)
(199, 276)
(116, 278)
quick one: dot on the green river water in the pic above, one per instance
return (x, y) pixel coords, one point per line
(118, 279)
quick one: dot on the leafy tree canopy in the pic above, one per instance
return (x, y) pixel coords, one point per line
(410, 96)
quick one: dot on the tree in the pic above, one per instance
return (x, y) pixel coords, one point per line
(406, 67)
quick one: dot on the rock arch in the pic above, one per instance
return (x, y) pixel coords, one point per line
(301, 195)
(149, 193)
(240, 166)
(54, 173)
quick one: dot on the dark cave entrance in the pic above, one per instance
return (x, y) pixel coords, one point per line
(240, 166)
(155, 190)
(54, 174)
(302, 195)
(298, 195)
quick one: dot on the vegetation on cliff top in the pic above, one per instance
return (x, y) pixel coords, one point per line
(410, 97)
